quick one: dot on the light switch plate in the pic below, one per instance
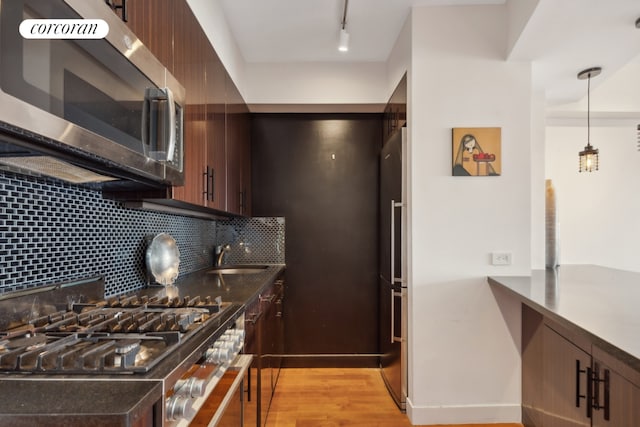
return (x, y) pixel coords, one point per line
(501, 258)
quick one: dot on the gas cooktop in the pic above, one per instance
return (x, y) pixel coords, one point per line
(121, 335)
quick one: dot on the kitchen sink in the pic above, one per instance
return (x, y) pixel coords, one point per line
(239, 269)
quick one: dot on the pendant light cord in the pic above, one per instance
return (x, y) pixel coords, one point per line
(589, 110)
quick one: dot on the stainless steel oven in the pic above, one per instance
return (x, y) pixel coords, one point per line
(107, 100)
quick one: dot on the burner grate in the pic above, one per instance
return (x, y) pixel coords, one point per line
(105, 337)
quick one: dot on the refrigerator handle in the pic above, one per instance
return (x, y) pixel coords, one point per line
(394, 279)
(394, 205)
(394, 294)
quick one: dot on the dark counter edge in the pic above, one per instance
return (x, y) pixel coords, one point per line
(624, 357)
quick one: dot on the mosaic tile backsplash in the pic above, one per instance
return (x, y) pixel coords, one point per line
(52, 232)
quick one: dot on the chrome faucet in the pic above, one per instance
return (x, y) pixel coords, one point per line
(220, 251)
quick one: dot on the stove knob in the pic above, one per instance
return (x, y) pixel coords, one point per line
(229, 341)
(191, 387)
(218, 355)
(239, 333)
(179, 407)
(224, 344)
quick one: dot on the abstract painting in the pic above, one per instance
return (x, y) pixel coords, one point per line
(476, 152)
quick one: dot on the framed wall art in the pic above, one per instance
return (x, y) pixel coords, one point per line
(476, 152)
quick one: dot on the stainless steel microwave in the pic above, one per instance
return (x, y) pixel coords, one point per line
(105, 105)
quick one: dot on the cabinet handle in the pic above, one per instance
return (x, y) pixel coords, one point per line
(252, 318)
(607, 384)
(213, 185)
(209, 184)
(596, 395)
(205, 175)
(589, 392)
(242, 201)
(268, 299)
(579, 396)
(122, 6)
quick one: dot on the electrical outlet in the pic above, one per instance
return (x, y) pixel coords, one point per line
(501, 258)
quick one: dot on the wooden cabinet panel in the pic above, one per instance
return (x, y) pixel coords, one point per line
(238, 152)
(216, 120)
(245, 161)
(623, 400)
(152, 22)
(563, 380)
(568, 381)
(532, 345)
(189, 68)
(621, 407)
(264, 340)
(320, 171)
(395, 112)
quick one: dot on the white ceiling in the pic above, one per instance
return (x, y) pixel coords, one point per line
(561, 37)
(308, 30)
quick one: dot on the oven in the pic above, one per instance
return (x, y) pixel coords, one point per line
(132, 360)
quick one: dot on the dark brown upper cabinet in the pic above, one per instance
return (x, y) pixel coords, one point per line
(216, 118)
(395, 112)
(238, 152)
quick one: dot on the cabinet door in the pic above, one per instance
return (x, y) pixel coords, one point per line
(616, 400)
(395, 112)
(532, 370)
(245, 161)
(238, 152)
(216, 141)
(152, 23)
(190, 44)
(278, 333)
(564, 381)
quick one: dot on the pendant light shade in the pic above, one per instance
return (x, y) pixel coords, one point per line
(588, 159)
(589, 156)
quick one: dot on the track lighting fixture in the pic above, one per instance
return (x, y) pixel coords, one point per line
(343, 45)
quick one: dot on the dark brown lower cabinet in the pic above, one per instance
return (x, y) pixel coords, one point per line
(264, 327)
(564, 381)
(568, 381)
(623, 392)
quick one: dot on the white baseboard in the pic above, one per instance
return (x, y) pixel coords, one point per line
(464, 414)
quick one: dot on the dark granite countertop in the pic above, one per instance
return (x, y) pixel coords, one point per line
(118, 400)
(597, 302)
(234, 288)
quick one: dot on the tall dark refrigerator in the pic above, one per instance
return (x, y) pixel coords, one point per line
(393, 286)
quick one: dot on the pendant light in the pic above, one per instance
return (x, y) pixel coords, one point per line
(589, 156)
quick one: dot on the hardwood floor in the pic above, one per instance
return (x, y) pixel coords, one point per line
(322, 397)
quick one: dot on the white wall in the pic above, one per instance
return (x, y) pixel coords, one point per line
(538, 143)
(464, 361)
(316, 83)
(600, 211)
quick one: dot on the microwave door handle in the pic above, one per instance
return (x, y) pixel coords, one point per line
(172, 125)
(146, 110)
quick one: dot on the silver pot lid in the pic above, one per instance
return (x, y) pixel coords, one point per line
(163, 259)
